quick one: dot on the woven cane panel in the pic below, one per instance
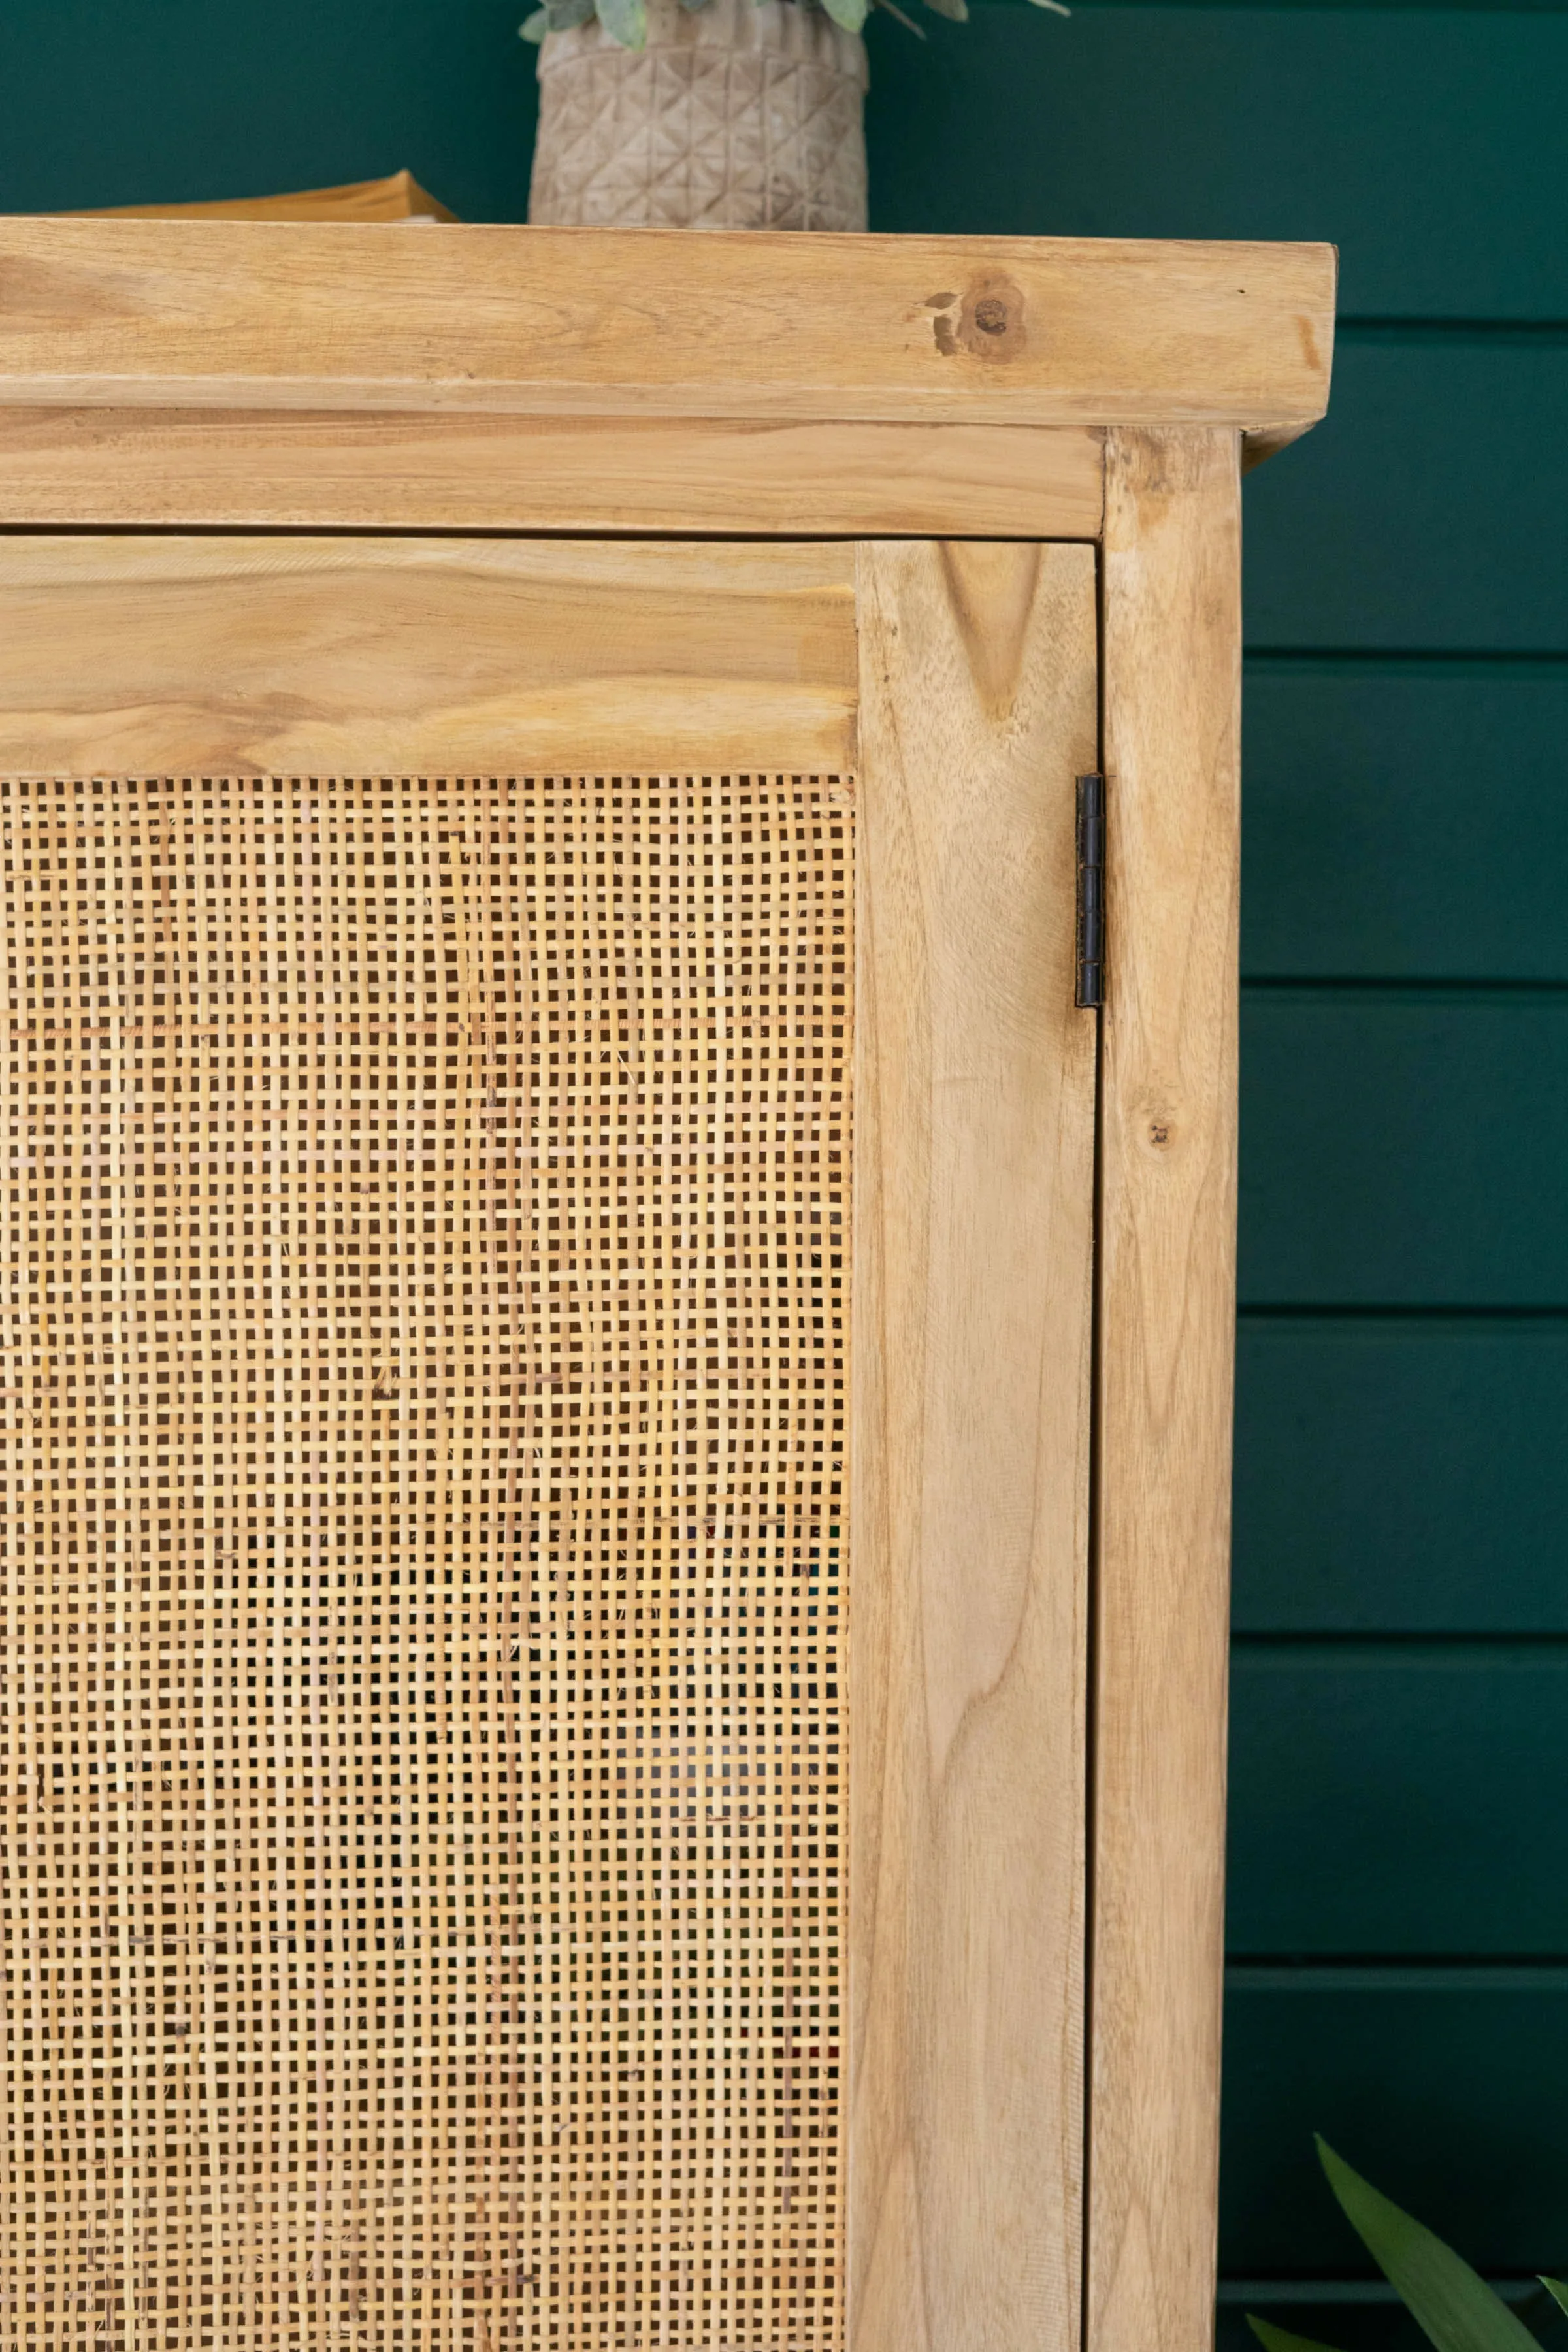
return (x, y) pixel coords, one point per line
(424, 1358)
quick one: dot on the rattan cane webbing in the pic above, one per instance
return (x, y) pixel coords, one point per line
(425, 1354)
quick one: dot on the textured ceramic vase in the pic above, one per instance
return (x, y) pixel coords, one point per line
(742, 114)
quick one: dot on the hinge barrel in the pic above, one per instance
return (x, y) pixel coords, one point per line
(1090, 987)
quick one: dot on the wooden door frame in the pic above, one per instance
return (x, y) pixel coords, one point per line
(972, 1349)
(187, 376)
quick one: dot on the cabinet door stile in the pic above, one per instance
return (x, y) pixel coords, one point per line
(976, 1108)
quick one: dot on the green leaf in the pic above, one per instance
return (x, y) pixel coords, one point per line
(562, 14)
(1442, 2294)
(957, 9)
(625, 21)
(1557, 2290)
(850, 14)
(908, 23)
(534, 28)
(1279, 2340)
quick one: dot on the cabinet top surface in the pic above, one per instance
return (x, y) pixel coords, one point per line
(647, 322)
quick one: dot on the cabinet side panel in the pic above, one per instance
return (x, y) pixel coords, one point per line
(970, 1422)
(1172, 602)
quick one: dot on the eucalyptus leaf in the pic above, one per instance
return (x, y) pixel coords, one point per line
(534, 28)
(957, 9)
(1443, 2294)
(893, 9)
(562, 14)
(850, 14)
(626, 21)
(1557, 2290)
(1279, 2340)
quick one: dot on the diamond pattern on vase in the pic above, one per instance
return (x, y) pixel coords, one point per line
(745, 115)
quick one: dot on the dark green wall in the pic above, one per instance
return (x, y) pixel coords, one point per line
(1399, 1888)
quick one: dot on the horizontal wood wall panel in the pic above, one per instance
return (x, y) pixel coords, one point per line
(1401, 1798)
(1400, 1474)
(1405, 820)
(1403, 1149)
(1394, 1800)
(1425, 143)
(1449, 2087)
(394, 471)
(1428, 513)
(422, 657)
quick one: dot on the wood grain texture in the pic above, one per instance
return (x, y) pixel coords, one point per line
(975, 1117)
(315, 469)
(418, 657)
(652, 323)
(398, 197)
(1167, 1307)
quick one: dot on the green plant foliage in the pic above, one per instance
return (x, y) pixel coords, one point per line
(626, 21)
(556, 16)
(1450, 2302)
(1443, 2294)
(1279, 2340)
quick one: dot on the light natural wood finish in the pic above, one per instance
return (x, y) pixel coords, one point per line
(942, 400)
(314, 468)
(974, 1182)
(398, 197)
(1167, 1307)
(649, 322)
(421, 656)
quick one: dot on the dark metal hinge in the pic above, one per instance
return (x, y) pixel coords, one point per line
(1090, 987)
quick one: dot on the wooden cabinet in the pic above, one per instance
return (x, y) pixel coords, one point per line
(617, 1407)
